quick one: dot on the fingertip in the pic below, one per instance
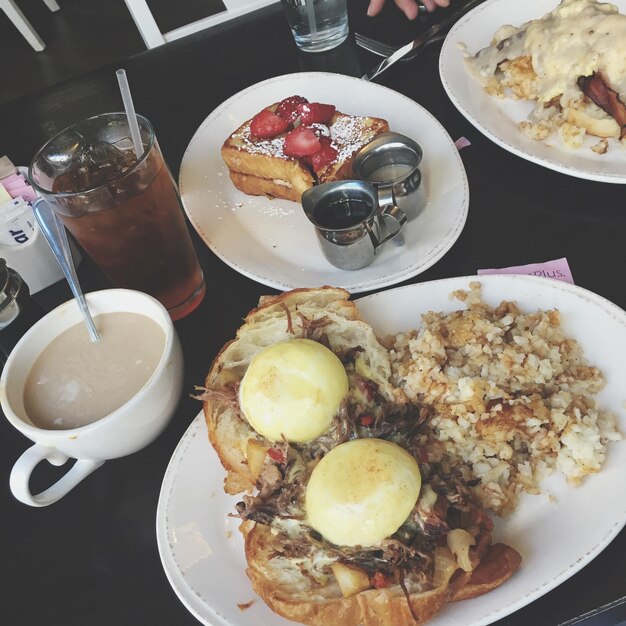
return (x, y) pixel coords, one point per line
(374, 8)
(412, 11)
(409, 8)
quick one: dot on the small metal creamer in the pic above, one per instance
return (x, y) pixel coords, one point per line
(390, 162)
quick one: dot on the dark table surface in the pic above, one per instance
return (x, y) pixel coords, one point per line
(91, 559)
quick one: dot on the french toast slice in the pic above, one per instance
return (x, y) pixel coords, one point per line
(270, 187)
(349, 133)
(260, 167)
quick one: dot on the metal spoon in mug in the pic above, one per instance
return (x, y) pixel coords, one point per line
(54, 232)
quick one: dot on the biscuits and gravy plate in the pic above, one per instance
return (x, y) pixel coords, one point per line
(499, 118)
(557, 532)
(271, 240)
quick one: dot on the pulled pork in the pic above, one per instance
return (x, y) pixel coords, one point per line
(227, 395)
(407, 555)
(406, 558)
(280, 494)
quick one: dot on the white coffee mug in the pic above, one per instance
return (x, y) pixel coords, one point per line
(124, 431)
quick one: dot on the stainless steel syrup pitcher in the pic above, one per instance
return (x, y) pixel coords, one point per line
(351, 224)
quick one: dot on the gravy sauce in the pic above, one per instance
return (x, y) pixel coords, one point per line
(75, 382)
(576, 39)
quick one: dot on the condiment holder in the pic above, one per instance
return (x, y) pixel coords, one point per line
(354, 218)
(346, 216)
(21, 242)
(390, 162)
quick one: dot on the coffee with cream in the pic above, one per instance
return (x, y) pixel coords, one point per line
(75, 381)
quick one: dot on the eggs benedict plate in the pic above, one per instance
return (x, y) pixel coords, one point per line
(348, 518)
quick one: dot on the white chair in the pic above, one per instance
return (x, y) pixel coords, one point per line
(23, 25)
(152, 35)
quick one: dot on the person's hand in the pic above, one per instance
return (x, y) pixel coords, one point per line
(408, 7)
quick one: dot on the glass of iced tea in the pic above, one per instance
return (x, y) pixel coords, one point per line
(123, 210)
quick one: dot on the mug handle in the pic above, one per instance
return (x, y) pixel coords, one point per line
(390, 213)
(24, 466)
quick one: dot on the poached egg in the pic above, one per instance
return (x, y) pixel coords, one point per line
(362, 491)
(292, 390)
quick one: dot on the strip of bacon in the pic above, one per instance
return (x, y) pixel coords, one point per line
(596, 89)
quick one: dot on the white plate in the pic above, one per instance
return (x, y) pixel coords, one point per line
(498, 118)
(272, 241)
(202, 551)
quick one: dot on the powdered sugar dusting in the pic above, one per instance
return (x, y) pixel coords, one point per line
(322, 129)
(268, 147)
(276, 211)
(349, 133)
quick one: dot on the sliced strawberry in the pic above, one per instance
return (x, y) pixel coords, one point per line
(288, 108)
(301, 142)
(322, 132)
(315, 113)
(266, 125)
(325, 155)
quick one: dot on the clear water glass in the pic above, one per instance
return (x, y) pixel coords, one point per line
(317, 25)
